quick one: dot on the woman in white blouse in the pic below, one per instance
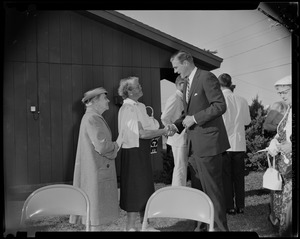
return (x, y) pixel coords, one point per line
(136, 130)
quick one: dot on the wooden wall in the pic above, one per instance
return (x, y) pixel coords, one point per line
(51, 59)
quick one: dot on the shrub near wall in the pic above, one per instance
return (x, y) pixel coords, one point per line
(256, 139)
(168, 164)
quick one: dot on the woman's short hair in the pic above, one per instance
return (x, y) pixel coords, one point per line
(179, 80)
(126, 85)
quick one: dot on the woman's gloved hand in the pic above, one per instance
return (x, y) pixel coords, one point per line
(273, 148)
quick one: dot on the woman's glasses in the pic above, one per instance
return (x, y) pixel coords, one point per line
(284, 92)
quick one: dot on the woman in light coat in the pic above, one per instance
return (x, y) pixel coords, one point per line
(95, 171)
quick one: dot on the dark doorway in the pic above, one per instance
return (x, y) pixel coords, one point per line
(168, 74)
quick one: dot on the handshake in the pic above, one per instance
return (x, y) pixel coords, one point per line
(170, 130)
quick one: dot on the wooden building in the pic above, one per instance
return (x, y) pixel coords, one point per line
(51, 59)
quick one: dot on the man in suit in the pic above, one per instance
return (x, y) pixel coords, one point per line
(204, 105)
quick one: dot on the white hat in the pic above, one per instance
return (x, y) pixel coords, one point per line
(92, 93)
(287, 80)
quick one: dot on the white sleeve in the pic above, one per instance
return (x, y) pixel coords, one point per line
(171, 106)
(246, 113)
(128, 127)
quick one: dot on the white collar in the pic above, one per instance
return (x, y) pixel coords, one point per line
(226, 90)
(130, 101)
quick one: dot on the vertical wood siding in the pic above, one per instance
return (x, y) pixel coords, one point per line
(9, 137)
(68, 152)
(54, 58)
(20, 119)
(33, 134)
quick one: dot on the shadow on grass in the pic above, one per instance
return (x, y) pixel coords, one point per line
(183, 225)
(56, 223)
(254, 219)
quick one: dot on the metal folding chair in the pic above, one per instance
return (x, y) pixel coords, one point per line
(54, 200)
(179, 202)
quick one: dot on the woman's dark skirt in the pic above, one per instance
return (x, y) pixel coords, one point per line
(136, 177)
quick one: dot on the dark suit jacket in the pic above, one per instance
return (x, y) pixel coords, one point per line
(206, 102)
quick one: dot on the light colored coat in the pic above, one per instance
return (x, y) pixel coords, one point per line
(95, 171)
(236, 117)
(173, 110)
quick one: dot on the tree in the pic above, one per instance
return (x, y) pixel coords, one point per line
(255, 137)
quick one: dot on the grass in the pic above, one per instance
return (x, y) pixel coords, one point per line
(253, 220)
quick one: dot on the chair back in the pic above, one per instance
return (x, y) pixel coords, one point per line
(57, 199)
(180, 202)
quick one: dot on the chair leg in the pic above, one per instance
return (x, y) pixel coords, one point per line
(145, 224)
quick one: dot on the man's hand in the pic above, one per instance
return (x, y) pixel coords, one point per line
(188, 121)
(171, 129)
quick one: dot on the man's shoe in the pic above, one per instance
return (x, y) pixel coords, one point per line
(231, 211)
(240, 210)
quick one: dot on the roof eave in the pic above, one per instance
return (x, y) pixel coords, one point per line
(201, 57)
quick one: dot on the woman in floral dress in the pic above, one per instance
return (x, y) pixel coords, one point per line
(281, 148)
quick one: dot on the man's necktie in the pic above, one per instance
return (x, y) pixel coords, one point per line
(187, 90)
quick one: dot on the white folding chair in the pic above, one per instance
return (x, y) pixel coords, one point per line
(179, 202)
(54, 200)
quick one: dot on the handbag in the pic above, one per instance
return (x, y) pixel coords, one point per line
(272, 178)
(154, 125)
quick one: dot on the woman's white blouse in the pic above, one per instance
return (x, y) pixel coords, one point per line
(130, 113)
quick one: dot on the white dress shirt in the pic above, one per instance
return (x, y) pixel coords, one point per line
(236, 117)
(191, 77)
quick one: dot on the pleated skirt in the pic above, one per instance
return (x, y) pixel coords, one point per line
(136, 177)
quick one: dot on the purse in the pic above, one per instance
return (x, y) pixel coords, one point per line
(154, 125)
(272, 179)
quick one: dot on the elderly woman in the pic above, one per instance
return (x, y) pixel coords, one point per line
(136, 129)
(281, 148)
(95, 171)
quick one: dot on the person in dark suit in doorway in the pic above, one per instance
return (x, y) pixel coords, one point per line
(204, 105)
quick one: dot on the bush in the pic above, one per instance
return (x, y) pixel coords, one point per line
(256, 139)
(165, 176)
